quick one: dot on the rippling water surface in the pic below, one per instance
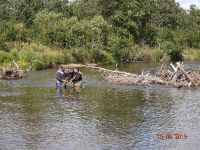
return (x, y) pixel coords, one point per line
(99, 116)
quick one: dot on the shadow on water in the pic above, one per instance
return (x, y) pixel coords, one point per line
(35, 115)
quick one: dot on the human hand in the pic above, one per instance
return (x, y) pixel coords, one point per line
(65, 81)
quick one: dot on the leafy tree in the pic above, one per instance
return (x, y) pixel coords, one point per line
(195, 16)
(46, 25)
(26, 10)
(5, 9)
(58, 6)
(84, 9)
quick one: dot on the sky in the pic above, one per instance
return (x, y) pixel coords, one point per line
(186, 3)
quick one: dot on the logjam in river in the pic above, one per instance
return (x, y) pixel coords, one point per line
(171, 75)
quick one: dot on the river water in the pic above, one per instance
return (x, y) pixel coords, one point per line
(33, 115)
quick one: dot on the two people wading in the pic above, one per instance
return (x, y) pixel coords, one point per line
(67, 77)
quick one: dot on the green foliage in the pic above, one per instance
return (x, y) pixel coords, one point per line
(103, 57)
(85, 9)
(120, 44)
(198, 55)
(68, 57)
(81, 55)
(46, 24)
(11, 31)
(165, 35)
(4, 46)
(106, 58)
(37, 56)
(25, 10)
(167, 14)
(172, 50)
(150, 35)
(192, 38)
(5, 57)
(61, 31)
(194, 16)
(158, 54)
(58, 6)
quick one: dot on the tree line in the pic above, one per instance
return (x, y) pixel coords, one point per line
(99, 30)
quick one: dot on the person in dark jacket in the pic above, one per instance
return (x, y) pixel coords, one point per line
(60, 77)
(77, 78)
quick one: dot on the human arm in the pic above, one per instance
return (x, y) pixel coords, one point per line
(60, 77)
(77, 77)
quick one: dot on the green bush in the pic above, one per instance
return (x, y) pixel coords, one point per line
(158, 54)
(107, 58)
(38, 65)
(68, 58)
(165, 35)
(52, 58)
(103, 57)
(150, 35)
(82, 55)
(5, 57)
(173, 51)
(35, 55)
(4, 46)
(193, 39)
(188, 38)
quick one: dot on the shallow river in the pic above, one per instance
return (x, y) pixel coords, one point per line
(99, 116)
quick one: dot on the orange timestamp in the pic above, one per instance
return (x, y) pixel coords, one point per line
(170, 136)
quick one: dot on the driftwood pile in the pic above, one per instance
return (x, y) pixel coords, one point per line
(178, 76)
(11, 73)
(173, 76)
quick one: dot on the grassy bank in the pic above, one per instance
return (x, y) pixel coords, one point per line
(191, 54)
(26, 55)
(43, 57)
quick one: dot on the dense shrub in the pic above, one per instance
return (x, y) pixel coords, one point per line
(5, 57)
(173, 51)
(82, 55)
(103, 57)
(37, 56)
(4, 46)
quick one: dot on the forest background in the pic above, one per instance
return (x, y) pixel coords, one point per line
(46, 33)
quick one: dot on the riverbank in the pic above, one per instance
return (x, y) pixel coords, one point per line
(38, 57)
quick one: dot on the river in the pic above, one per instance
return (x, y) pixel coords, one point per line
(33, 115)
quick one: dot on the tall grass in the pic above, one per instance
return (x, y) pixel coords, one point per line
(191, 54)
(42, 57)
(35, 55)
